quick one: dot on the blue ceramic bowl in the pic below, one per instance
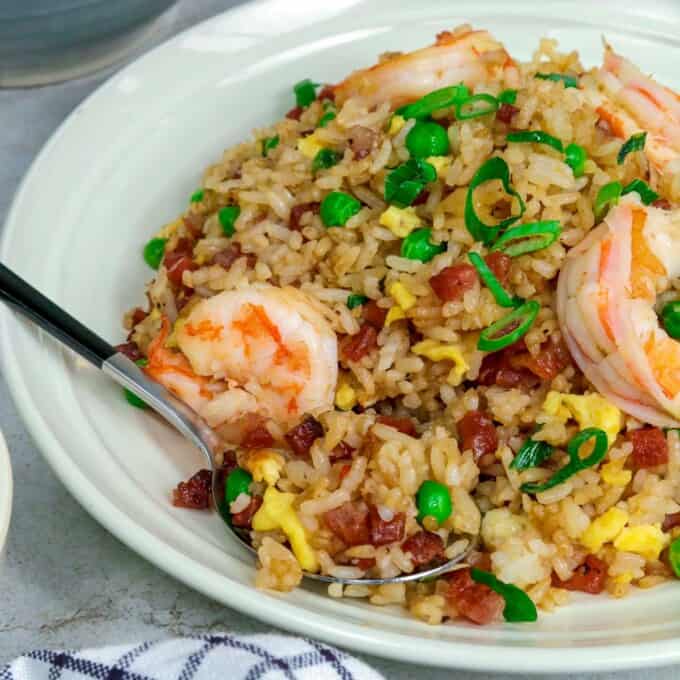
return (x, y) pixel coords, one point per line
(45, 41)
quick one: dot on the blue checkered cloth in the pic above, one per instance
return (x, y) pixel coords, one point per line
(210, 657)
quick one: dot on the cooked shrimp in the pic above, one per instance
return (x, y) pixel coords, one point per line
(275, 352)
(632, 102)
(469, 57)
(605, 304)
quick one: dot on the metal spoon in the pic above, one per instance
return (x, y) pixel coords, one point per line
(62, 326)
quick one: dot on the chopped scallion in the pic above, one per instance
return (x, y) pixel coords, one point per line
(509, 329)
(536, 137)
(569, 81)
(492, 283)
(635, 142)
(528, 238)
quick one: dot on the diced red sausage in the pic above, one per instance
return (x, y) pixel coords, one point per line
(327, 92)
(257, 438)
(497, 369)
(355, 347)
(295, 113)
(130, 350)
(452, 282)
(649, 447)
(361, 141)
(671, 521)
(403, 425)
(499, 264)
(506, 112)
(297, 211)
(589, 577)
(225, 258)
(552, 358)
(373, 314)
(364, 563)
(662, 203)
(179, 260)
(425, 547)
(341, 452)
(302, 436)
(138, 315)
(421, 198)
(194, 223)
(477, 433)
(349, 522)
(244, 518)
(195, 492)
(474, 601)
(386, 531)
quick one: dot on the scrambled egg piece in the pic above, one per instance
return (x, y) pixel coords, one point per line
(614, 474)
(309, 146)
(395, 313)
(589, 410)
(400, 221)
(169, 229)
(396, 123)
(402, 295)
(646, 540)
(604, 529)
(345, 397)
(265, 466)
(277, 513)
(440, 163)
(436, 351)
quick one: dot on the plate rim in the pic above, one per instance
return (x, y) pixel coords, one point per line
(454, 654)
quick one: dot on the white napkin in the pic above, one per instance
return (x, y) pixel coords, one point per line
(209, 657)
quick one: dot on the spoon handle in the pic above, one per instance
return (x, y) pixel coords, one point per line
(52, 318)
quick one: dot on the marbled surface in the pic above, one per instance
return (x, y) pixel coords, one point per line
(64, 581)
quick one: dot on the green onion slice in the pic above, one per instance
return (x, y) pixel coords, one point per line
(509, 329)
(324, 159)
(326, 118)
(406, 181)
(527, 238)
(576, 463)
(434, 101)
(607, 197)
(305, 92)
(569, 81)
(575, 157)
(674, 556)
(531, 454)
(355, 300)
(508, 97)
(476, 106)
(640, 187)
(635, 142)
(537, 137)
(417, 246)
(227, 217)
(269, 143)
(519, 607)
(492, 283)
(494, 168)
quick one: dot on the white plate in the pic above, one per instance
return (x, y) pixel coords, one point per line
(5, 491)
(125, 162)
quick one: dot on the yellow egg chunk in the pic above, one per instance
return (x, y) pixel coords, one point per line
(395, 313)
(277, 513)
(309, 146)
(400, 221)
(614, 474)
(436, 351)
(345, 397)
(265, 466)
(588, 410)
(396, 123)
(604, 529)
(440, 163)
(646, 540)
(402, 295)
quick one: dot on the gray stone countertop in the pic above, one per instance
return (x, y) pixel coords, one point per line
(65, 582)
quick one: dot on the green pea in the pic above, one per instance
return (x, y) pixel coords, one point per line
(197, 196)
(227, 217)
(670, 315)
(153, 252)
(324, 159)
(326, 118)
(238, 482)
(433, 500)
(131, 397)
(355, 300)
(426, 138)
(337, 207)
(417, 246)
